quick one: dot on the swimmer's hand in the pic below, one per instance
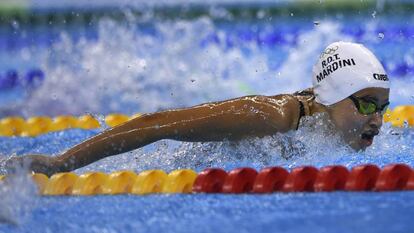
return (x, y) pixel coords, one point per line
(32, 163)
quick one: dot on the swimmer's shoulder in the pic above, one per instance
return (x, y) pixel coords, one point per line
(280, 111)
(296, 105)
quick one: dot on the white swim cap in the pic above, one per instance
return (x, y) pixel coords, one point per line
(343, 69)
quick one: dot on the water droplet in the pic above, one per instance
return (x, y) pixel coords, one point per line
(374, 14)
(261, 14)
(15, 24)
(291, 14)
(316, 23)
(381, 35)
(101, 119)
(406, 125)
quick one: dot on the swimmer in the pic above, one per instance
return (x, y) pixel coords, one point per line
(349, 84)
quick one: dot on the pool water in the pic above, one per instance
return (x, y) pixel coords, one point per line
(145, 64)
(319, 212)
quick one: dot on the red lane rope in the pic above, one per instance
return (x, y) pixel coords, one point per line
(392, 177)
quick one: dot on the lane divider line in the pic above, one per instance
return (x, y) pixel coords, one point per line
(244, 180)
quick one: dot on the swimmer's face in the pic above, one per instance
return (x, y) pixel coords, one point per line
(357, 129)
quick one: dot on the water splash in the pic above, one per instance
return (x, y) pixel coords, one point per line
(126, 71)
(293, 77)
(144, 66)
(18, 198)
(165, 65)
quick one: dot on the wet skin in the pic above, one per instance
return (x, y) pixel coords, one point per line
(231, 119)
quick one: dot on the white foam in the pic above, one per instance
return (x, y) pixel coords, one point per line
(18, 198)
(127, 72)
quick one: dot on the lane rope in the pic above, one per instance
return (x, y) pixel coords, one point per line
(34, 126)
(244, 180)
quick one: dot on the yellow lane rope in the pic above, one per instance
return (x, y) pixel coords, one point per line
(34, 126)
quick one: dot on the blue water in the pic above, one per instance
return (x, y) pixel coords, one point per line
(336, 212)
(145, 65)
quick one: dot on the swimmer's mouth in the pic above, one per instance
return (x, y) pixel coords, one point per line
(368, 137)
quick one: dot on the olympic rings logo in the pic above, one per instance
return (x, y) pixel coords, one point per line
(329, 51)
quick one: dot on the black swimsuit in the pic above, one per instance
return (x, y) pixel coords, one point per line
(304, 97)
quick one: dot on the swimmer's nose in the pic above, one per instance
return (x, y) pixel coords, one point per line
(376, 121)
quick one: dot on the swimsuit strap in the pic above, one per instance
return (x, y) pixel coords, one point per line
(305, 99)
(301, 113)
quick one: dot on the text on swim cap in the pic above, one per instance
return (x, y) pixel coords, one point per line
(333, 63)
(380, 77)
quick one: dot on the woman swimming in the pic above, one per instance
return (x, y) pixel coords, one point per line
(349, 84)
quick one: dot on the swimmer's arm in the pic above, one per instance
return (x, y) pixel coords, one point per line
(231, 119)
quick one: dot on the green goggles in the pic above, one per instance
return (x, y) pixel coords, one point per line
(367, 107)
